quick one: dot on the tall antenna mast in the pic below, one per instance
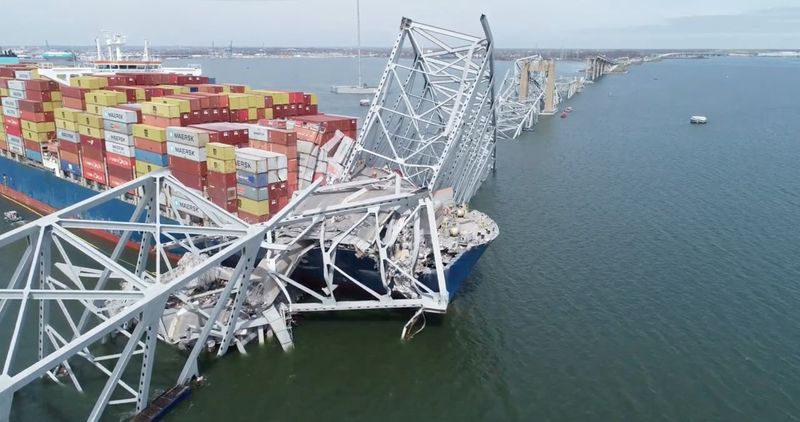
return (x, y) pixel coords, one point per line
(146, 55)
(358, 25)
(99, 51)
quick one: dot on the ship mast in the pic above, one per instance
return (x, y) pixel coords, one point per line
(99, 51)
(358, 26)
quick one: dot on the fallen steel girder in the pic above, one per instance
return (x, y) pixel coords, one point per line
(82, 294)
(432, 119)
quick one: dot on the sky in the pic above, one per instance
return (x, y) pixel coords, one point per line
(570, 24)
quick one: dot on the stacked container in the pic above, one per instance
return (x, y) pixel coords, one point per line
(36, 100)
(151, 148)
(186, 147)
(69, 142)
(259, 177)
(93, 151)
(227, 133)
(222, 175)
(12, 126)
(118, 124)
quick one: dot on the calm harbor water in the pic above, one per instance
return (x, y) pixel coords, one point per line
(646, 269)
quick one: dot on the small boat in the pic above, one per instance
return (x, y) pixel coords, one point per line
(12, 217)
(564, 115)
(698, 120)
(568, 109)
(364, 102)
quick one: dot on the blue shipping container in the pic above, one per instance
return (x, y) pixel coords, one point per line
(71, 167)
(33, 155)
(256, 180)
(152, 158)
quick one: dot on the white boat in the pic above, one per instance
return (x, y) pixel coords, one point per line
(698, 120)
(360, 88)
(12, 217)
(114, 63)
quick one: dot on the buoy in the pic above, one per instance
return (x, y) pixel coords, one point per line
(454, 231)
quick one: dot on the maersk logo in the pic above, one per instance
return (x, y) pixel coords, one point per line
(115, 115)
(244, 164)
(182, 136)
(183, 150)
(116, 138)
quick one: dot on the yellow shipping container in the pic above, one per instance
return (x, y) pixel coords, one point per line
(65, 124)
(105, 98)
(183, 105)
(95, 109)
(252, 114)
(178, 89)
(153, 133)
(269, 113)
(278, 98)
(140, 94)
(88, 119)
(258, 208)
(68, 114)
(3, 92)
(161, 109)
(55, 96)
(90, 131)
(90, 82)
(221, 166)
(238, 101)
(221, 151)
(314, 99)
(143, 168)
(36, 136)
(256, 101)
(2, 136)
(38, 126)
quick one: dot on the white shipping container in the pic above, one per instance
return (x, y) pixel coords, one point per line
(120, 115)
(124, 150)
(18, 85)
(280, 175)
(15, 93)
(118, 127)
(67, 135)
(118, 138)
(345, 146)
(11, 112)
(186, 151)
(24, 74)
(16, 149)
(187, 136)
(15, 140)
(259, 133)
(10, 102)
(305, 147)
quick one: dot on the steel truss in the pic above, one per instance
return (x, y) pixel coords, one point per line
(521, 97)
(432, 118)
(78, 294)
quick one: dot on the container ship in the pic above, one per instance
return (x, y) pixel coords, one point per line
(70, 132)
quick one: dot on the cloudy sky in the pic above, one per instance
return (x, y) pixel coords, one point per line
(515, 23)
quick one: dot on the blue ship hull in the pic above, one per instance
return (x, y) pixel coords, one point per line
(309, 272)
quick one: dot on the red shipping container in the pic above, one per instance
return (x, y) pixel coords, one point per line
(119, 161)
(252, 219)
(192, 180)
(92, 174)
(123, 173)
(74, 103)
(70, 156)
(37, 117)
(73, 92)
(31, 106)
(130, 93)
(92, 147)
(4, 145)
(160, 121)
(31, 145)
(221, 180)
(199, 168)
(282, 136)
(38, 95)
(221, 194)
(41, 85)
(152, 146)
(92, 164)
(239, 116)
(13, 130)
(11, 121)
(69, 147)
(274, 206)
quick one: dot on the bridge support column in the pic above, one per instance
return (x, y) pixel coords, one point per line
(550, 87)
